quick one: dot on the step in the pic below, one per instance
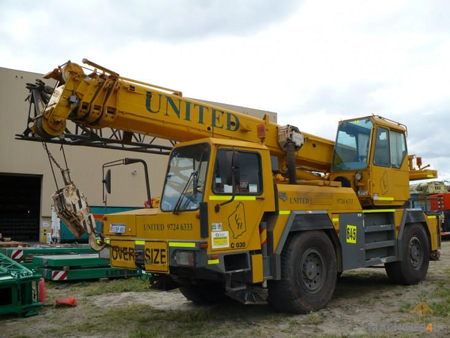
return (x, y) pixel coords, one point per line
(377, 245)
(376, 261)
(377, 228)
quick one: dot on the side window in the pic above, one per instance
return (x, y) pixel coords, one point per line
(381, 156)
(398, 149)
(249, 181)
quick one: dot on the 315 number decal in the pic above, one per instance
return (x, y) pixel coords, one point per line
(351, 234)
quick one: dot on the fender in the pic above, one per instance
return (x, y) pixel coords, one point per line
(299, 221)
(410, 216)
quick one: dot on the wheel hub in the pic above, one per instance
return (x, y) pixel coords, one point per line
(415, 252)
(313, 270)
(310, 270)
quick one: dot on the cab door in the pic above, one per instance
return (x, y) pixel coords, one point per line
(390, 183)
(234, 221)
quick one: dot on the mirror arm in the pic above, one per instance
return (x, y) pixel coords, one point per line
(127, 161)
(147, 181)
(217, 207)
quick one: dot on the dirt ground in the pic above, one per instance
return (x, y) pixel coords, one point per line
(365, 304)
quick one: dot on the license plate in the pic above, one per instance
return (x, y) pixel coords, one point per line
(156, 256)
(117, 228)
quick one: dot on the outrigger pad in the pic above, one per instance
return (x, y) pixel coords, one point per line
(72, 207)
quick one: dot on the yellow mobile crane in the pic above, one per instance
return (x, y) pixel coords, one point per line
(249, 209)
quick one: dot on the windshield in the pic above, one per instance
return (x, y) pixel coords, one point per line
(186, 176)
(351, 150)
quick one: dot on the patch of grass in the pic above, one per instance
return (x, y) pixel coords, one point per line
(442, 292)
(257, 332)
(422, 297)
(405, 307)
(441, 308)
(50, 331)
(314, 318)
(275, 318)
(145, 333)
(369, 301)
(145, 321)
(293, 322)
(368, 335)
(136, 284)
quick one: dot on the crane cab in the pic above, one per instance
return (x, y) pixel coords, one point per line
(370, 155)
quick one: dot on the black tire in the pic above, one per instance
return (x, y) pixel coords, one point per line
(415, 257)
(204, 294)
(308, 274)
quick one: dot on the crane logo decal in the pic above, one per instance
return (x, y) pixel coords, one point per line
(190, 111)
(236, 221)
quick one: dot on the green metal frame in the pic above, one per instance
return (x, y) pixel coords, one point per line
(61, 268)
(77, 261)
(30, 252)
(86, 274)
(19, 288)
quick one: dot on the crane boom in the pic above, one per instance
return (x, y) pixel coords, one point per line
(104, 99)
(100, 100)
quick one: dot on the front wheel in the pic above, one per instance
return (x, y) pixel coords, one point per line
(308, 273)
(415, 257)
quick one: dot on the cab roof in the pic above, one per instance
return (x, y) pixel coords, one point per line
(382, 121)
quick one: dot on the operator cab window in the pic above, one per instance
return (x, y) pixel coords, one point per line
(249, 174)
(381, 157)
(352, 145)
(398, 149)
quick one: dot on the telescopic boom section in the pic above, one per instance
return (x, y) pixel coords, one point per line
(105, 99)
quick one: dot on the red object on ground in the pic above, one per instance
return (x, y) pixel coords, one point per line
(70, 301)
(445, 200)
(42, 291)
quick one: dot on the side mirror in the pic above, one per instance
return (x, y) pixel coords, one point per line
(107, 181)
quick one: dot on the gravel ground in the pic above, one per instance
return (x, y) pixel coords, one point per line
(365, 304)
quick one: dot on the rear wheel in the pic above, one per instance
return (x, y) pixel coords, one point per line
(415, 257)
(204, 294)
(308, 274)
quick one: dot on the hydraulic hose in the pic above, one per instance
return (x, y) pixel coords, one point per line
(290, 152)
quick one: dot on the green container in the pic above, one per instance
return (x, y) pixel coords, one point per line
(19, 288)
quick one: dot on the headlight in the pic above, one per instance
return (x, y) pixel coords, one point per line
(358, 176)
(185, 258)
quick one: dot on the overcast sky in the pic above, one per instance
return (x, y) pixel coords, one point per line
(313, 62)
